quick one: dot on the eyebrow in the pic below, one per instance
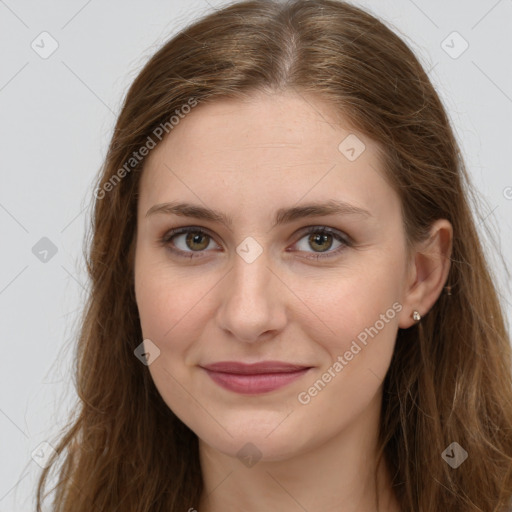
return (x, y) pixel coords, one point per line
(282, 216)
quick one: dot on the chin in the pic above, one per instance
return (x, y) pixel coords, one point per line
(252, 440)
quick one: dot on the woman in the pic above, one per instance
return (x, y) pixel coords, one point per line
(290, 306)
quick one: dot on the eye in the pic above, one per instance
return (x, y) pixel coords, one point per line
(196, 240)
(321, 238)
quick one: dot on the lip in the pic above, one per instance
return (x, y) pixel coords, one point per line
(254, 378)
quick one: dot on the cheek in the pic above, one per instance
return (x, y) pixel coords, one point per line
(170, 303)
(155, 293)
(365, 323)
(155, 305)
(346, 305)
(357, 316)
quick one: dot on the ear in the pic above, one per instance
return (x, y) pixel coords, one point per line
(428, 270)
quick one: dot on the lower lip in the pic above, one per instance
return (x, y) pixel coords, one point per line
(256, 383)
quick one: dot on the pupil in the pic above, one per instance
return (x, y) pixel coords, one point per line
(318, 238)
(195, 239)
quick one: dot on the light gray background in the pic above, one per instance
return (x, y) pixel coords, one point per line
(56, 119)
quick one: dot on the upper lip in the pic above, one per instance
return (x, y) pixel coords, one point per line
(254, 368)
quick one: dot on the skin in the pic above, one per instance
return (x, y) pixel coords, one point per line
(247, 159)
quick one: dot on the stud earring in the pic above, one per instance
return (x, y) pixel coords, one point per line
(416, 316)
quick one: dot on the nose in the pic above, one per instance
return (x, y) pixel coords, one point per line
(253, 301)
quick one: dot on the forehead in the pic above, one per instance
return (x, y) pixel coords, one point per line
(272, 148)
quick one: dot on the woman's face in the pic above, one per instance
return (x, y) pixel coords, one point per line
(256, 290)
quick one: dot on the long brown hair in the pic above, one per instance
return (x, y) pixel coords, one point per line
(450, 376)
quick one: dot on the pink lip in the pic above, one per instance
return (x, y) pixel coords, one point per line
(254, 378)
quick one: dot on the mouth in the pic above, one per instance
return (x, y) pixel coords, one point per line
(254, 378)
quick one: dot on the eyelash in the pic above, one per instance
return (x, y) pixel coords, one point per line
(166, 241)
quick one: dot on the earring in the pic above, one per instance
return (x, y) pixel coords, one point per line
(416, 316)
